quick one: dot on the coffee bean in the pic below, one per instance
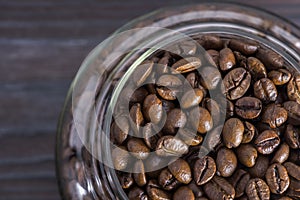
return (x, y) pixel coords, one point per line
(294, 184)
(248, 107)
(188, 47)
(175, 119)
(293, 109)
(192, 79)
(191, 98)
(214, 109)
(120, 157)
(126, 180)
(270, 59)
(265, 90)
(260, 167)
(239, 181)
(219, 188)
(163, 65)
(152, 109)
(267, 142)
(142, 72)
(277, 178)
(293, 170)
(171, 146)
(229, 109)
(257, 189)
(227, 59)
(151, 136)
(285, 198)
(190, 137)
(226, 162)
(281, 154)
(233, 132)
(204, 170)
(256, 68)
(137, 118)
(280, 77)
(198, 192)
(236, 83)
(210, 41)
(167, 105)
(200, 119)
(119, 135)
(167, 180)
(154, 163)
(210, 77)
(166, 93)
(137, 193)
(168, 80)
(247, 155)
(138, 148)
(183, 193)
(139, 175)
(293, 89)
(181, 171)
(241, 60)
(213, 138)
(292, 136)
(155, 192)
(274, 115)
(213, 57)
(249, 132)
(186, 65)
(243, 46)
(138, 95)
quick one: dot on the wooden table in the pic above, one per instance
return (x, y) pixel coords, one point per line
(42, 44)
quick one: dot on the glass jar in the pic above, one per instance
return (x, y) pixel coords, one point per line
(82, 155)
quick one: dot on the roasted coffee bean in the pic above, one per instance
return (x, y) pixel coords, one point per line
(282, 154)
(265, 90)
(243, 46)
(294, 156)
(204, 170)
(138, 148)
(267, 142)
(219, 188)
(229, 109)
(233, 131)
(285, 198)
(183, 193)
(277, 178)
(194, 153)
(293, 194)
(150, 135)
(274, 115)
(167, 105)
(167, 180)
(227, 59)
(186, 65)
(171, 146)
(120, 157)
(239, 181)
(137, 193)
(198, 192)
(293, 89)
(241, 60)
(226, 162)
(256, 68)
(163, 64)
(138, 95)
(166, 93)
(292, 136)
(248, 107)
(247, 155)
(190, 137)
(270, 59)
(191, 98)
(181, 171)
(294, 184)
(257, 189)
(213, 138)
(142, 72)
(236, 83)
(260, 167)
(188, 47)
(154, 163)
(168, 80)
(126, 180)
(192, 79)
(210, 41)
(175, 119)
(210, 77)
(119, 135)
(155, 192)
(213, 57)
(293, 170)
(293, 109)
(214, 109)
(280, 77)
(139, 173)
(249, 132)
(152, 109)
(200, 119)
(137, 118)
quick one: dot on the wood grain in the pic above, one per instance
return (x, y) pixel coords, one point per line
(42, 44)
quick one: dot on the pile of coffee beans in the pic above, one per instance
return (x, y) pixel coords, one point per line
(229, 112)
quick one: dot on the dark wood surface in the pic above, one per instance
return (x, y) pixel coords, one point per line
(42, 44)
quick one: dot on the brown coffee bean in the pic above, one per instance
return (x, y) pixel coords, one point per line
(227, 59)
(175, 119)
(181, 170)
(192, 79)
(155, 192)
(249, 133)
(277, 178)
(152, 109)
(142, 72)
(190, 137)
(293, 109)
(248, 107)
(236, 83)
(171, 146)
(188, 47)
(293, 194)
(137, 118)
(274, 115)
(168, 80)
(200, 119)
(198, 192)
(282, 154)
(167, 105)
(120, 157)
(204, 170)
(241, 60)
(163, 65)
(293, 89)
(256, 68)
(210, 41)
(183, 193)
(186, 65)
(239, 181)
(139, 173)
(229, 109)
(210, 77)
(151, 136)
(247, 155)
(294, 184)
(233, 131)
(213, 57)
(280, 77)
(219, 188)
(166, 93)
(285, 198)
(126, 180)
(119, 135)
(213, 138)
(214, 109)
(167, 180)
(292, 136)
(267, 142)
(246, 47)
(293, 170)
(154, 163)
(138, 95)
(138, 148)
(270, 59)
(226, 162)
(260, 167)
(191, 98)
(265, 90)
(257, 189)
(137, 193)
